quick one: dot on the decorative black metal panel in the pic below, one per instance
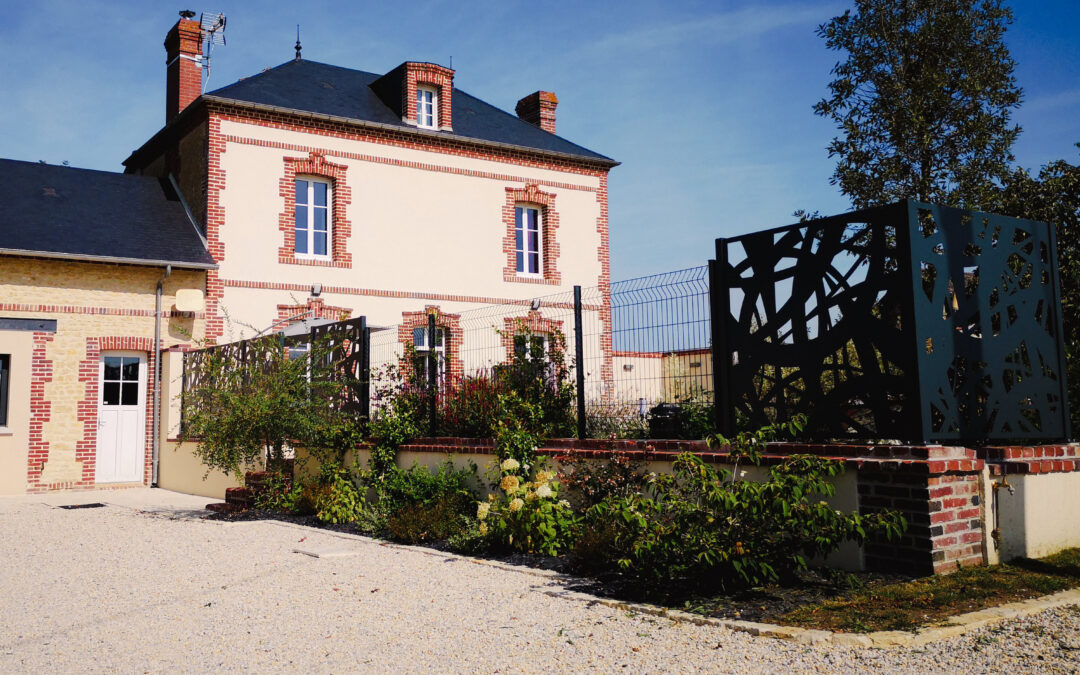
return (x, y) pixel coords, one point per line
(908, 321)
(988, 317)
(345, 345)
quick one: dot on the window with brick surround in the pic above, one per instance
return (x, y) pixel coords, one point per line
(314, 224)
(427, 107)
(5, 371)
(312, 218)
(531, 245)
(528, 248)
(423, 346)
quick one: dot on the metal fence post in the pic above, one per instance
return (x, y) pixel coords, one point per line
(720, 310)
(433, 374)
(579, 355)
(365, 373)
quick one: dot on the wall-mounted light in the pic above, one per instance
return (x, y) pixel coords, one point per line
(535, 304)
(628, 366)
(316, 290)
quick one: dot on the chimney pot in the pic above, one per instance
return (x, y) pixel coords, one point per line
(183, 63)
(538, 109)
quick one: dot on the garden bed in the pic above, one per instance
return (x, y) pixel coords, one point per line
(823, 598)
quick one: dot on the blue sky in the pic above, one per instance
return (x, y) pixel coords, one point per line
(706, 104)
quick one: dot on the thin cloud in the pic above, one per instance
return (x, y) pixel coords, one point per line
(734, 26)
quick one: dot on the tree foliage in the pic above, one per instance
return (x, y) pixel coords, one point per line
(246, 404)
(923, 100)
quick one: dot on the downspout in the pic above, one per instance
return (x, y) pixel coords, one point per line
(157, 375)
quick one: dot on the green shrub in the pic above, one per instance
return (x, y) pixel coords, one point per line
(278, 493)
(527, 516)
(517, 430)
(402, 488)
(707, 527)
(336, 498)
(438, 520)
(589, 482)
(470, 407)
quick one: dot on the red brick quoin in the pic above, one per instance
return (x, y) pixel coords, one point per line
(533, 196)
(316, 165)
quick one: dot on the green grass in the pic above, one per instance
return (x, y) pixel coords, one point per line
(923, 602)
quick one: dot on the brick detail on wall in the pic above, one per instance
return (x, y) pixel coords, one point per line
(316, 308)
(452, 334)
(531, 195)
(40, 409)
(940, 498)
(407, 139)
(215, 221)
(533, 323)
(82, 309)
(603, 256)
(407, 164)
(316, 165)
(432, 75)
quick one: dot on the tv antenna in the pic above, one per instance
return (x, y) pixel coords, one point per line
(212, 26)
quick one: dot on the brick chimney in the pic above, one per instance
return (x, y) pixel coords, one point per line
(183, 63)
(538, 109)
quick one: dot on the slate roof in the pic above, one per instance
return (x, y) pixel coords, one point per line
(59, 211)
(312, 87)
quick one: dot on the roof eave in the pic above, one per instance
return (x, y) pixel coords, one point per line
(604, 162)
(117, 260)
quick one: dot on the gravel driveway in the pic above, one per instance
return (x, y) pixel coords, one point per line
(144, 585)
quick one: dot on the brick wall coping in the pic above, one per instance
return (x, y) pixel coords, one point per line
(923, 460)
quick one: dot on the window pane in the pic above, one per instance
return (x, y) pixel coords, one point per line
(517, 240)
(520, 267)
(112, 367)
(301, 192)
(517, 217)
(419, 338)
(320, 193)
(438, 338)
(532, 219)
(130, 370)
(534, 263)
(130, 394)
(301, 241)
(5, 367)
(110, 393)
(301, 217)
(320, 243)
(320, 218)
(534, 243)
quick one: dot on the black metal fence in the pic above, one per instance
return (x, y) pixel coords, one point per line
(909, 321)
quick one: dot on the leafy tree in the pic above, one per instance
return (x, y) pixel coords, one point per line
(923, 100)
(247, 401)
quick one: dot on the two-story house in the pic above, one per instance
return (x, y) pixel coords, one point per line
(318, 192)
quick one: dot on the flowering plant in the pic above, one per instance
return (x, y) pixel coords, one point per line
(527, 515)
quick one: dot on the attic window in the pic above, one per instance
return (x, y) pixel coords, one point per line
(427, 107)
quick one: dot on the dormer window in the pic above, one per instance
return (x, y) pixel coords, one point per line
(427, 107)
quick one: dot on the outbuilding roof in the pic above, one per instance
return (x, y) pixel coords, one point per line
(81, 214)
(311, 87)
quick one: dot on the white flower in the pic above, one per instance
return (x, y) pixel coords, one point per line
(510, 464)
(544, 491)
(483, 529)
(482, 510)
(563, 503)
(544, 476)
(516, 504)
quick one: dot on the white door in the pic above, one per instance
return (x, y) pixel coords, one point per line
(121, 447)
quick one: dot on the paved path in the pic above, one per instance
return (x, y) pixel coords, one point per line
(145, 585)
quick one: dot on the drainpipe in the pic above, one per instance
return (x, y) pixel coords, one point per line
(157, 375)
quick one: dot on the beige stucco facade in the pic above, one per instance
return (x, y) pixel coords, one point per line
(50, 439)
(426, 228)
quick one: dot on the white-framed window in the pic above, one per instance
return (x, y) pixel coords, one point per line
(423, 346)
(528, 246)
(531, 345)
(313, 218)
(427, 107)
